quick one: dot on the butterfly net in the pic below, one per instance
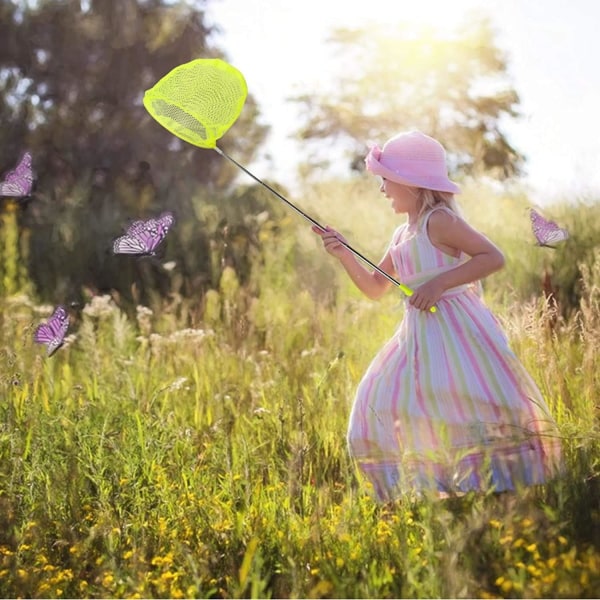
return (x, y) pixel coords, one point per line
(198, 101)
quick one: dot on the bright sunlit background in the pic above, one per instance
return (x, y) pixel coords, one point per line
(552, 48)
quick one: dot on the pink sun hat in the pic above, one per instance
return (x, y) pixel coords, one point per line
(412, 159)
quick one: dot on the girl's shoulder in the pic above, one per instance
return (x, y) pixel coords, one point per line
(398, 234)
(440, 216)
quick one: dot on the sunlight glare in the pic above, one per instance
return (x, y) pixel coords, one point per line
(437, 14)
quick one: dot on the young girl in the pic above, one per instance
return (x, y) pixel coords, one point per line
(445, 405)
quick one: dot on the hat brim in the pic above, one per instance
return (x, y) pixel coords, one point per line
(440, 184)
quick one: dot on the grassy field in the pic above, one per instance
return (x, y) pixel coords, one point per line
(197, 449)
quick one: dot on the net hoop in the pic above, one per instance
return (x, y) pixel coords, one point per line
(198, 101)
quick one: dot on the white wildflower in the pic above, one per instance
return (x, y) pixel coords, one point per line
(178, 384)
(44, 309)
(143, 316)
(20, 300)
(143, 311)
(189, 334)
(156, 339)
(261, 411)
(100, 306)
(308, 352)
(69, 340)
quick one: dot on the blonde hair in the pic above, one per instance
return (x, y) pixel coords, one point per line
(431, 199)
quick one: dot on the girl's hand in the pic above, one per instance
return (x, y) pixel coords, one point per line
(332, 240)
(427, 295)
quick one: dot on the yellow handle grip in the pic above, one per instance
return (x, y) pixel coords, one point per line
(409, 292)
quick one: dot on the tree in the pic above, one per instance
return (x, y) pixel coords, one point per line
(453, 86)
(72, 78)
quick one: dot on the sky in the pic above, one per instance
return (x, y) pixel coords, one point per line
(552, 47)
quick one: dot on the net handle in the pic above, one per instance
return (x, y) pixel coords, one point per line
(404, 288)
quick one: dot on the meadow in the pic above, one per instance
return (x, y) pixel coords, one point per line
(196, 447)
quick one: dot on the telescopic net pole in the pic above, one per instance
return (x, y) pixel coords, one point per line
(356, 253)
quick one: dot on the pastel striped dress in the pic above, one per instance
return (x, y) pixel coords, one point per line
(446, 405)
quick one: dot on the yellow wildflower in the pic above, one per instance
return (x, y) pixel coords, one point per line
(526, 522)
(533, 570)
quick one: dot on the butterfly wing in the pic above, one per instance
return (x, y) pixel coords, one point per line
(52, 333)
(135, 226)
(166, 219)
(143, 237)
(19, 181)
(152, 235)
(555, 236)
(134, 241)
(159, 228)
(546, 232)
(130, 243)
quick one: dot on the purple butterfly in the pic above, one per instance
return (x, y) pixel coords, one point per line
(19, 181)
(546, 232)
(143, 237)
(52, 333)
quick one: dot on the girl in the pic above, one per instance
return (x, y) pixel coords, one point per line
(445, 405)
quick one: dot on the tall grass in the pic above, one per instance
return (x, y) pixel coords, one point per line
(151, 459)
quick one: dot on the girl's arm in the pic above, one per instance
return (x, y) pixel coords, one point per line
(370, 283)
(452, 235)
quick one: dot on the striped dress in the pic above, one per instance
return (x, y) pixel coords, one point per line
(445, 405)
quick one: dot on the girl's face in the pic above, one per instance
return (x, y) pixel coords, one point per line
(404, 198)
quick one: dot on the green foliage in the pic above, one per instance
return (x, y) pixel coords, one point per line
(72, 75)
(13, 254)
(71, 80)
(532, 270)
(69, 248)
(359, 211)
(151, 458)
(451, 84)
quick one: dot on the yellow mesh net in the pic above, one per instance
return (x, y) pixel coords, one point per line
(198, 101)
